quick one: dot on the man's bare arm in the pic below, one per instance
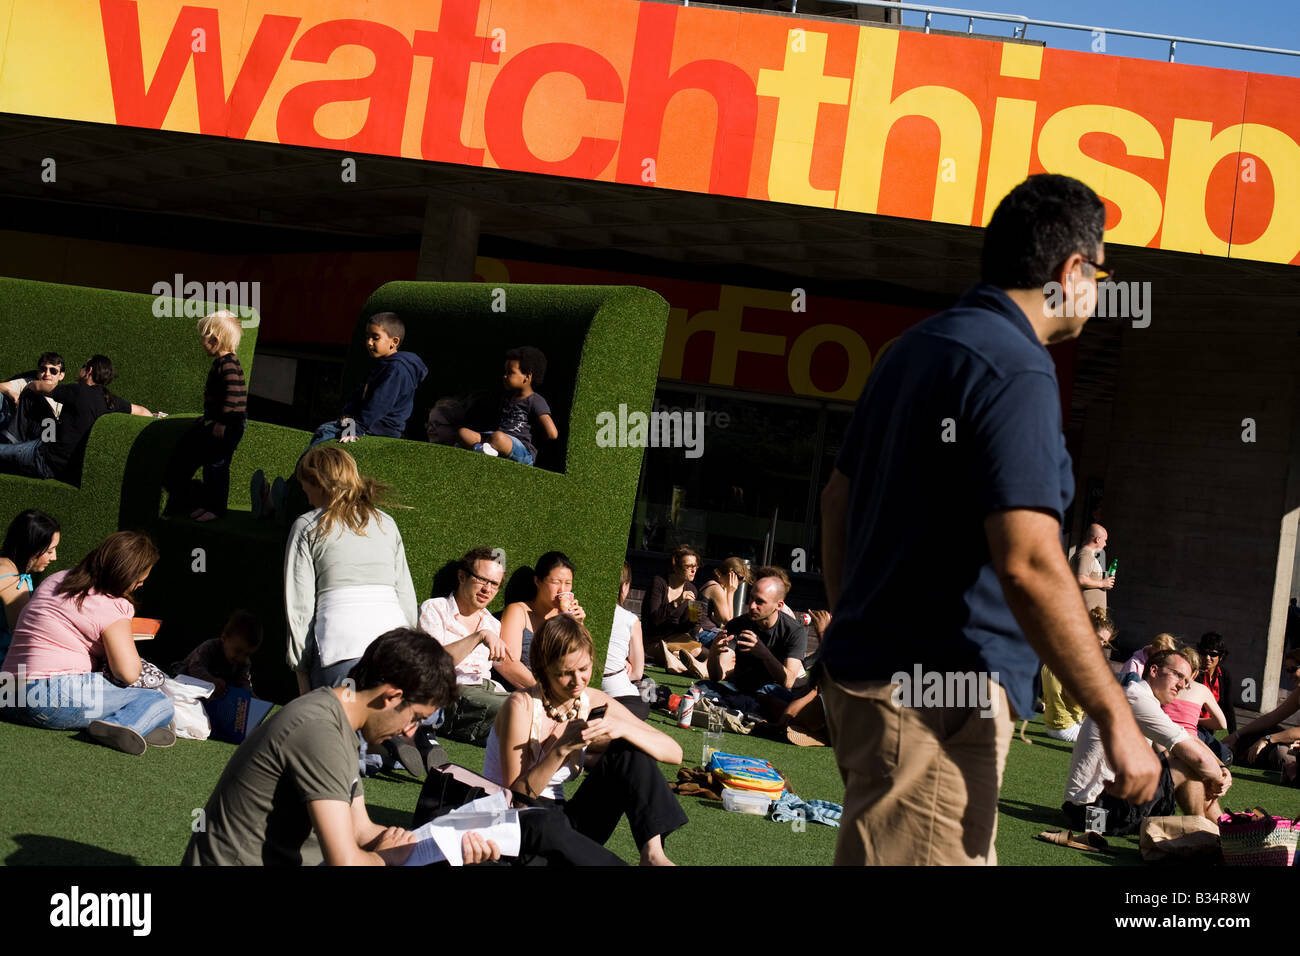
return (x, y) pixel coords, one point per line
(1041, 591)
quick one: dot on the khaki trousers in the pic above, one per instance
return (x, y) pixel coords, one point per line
(921, 784)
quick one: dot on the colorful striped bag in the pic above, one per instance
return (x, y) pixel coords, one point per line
(1258, 839)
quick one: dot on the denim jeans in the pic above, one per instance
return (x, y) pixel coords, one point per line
(72, 701)
(333, 431)
(25, 458)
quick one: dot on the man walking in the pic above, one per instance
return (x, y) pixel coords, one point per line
(942, 555)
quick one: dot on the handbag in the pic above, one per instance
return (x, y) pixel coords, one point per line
(1258, 839)
(1190, 838)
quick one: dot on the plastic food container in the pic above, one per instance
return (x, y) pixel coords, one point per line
(743, 801)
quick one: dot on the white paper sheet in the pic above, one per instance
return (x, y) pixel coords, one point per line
(490, 817)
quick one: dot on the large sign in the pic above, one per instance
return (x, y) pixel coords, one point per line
(654, 95)
(764, 340)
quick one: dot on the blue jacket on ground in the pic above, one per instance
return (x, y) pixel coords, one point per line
(384, 401)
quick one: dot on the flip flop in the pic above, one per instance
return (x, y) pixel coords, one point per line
(1089, 840)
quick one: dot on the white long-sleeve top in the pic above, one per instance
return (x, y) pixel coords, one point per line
(315, 564)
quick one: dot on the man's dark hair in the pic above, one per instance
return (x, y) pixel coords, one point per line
(411, 661)
(475, 555)
(246, 625)
(531, 362)
(390, 322)
(1036, 227)
(50, 358)
(1160, 658)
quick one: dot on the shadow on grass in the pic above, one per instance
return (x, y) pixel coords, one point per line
(1034, 813)
(1047, 743)
(388, 817)
(35, 849)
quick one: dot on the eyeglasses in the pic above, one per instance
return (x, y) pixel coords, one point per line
(1104, 273)
(49, 369)
(1184, 680)
(486, 581)
(690, 567)
(1209, 653)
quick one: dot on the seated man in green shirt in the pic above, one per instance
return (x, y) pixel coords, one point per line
(291, 793)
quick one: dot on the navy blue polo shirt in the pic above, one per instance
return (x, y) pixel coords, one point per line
(961, 418)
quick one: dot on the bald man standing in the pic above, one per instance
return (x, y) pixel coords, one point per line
(1089, 570)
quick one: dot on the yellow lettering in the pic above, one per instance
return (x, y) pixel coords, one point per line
(1279, 152)
(1192, 158)
(799, 88)
(872, 114)
(729, 337)
(1013, 138)
(1139, 203)
(801, 354)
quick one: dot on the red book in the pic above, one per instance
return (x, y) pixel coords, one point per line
(145, 628)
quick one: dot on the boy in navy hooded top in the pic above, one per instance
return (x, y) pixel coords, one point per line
(385, 400)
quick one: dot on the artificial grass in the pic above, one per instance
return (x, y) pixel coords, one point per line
(67, 801)
(603, 345)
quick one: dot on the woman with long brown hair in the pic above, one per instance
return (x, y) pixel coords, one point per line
(77, 621)
(346, 580)
(560, 727)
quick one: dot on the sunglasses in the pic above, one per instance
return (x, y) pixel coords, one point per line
(1104, 273)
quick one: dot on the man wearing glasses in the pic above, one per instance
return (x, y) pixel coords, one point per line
(942, 548)
(463, 625)
(20, 421)
(1190, 775)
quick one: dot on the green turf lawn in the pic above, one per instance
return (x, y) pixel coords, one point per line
(66, 801)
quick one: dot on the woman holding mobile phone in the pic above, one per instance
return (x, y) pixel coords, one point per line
(550, 733)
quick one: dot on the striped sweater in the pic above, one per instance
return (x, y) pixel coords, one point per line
(225, 398)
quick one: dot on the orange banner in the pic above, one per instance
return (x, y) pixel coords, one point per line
(652, 95)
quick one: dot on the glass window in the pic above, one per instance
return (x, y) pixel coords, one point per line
(757, 460)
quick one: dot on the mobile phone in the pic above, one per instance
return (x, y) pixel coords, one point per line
(598, 713)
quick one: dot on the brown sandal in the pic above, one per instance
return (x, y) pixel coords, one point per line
(1089, 840)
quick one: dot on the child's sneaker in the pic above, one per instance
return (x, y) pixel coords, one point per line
(486, 449)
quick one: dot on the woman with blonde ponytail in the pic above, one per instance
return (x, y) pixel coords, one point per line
(345, 574)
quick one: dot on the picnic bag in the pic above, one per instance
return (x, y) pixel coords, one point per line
(747, 773)
(1258, 839)
(1187, 838)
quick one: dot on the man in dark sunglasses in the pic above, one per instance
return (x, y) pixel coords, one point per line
(21, 416)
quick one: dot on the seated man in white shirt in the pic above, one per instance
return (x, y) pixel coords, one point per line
(462, 624)
(1191, 776)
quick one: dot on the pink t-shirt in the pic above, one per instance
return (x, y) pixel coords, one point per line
(53, 637)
